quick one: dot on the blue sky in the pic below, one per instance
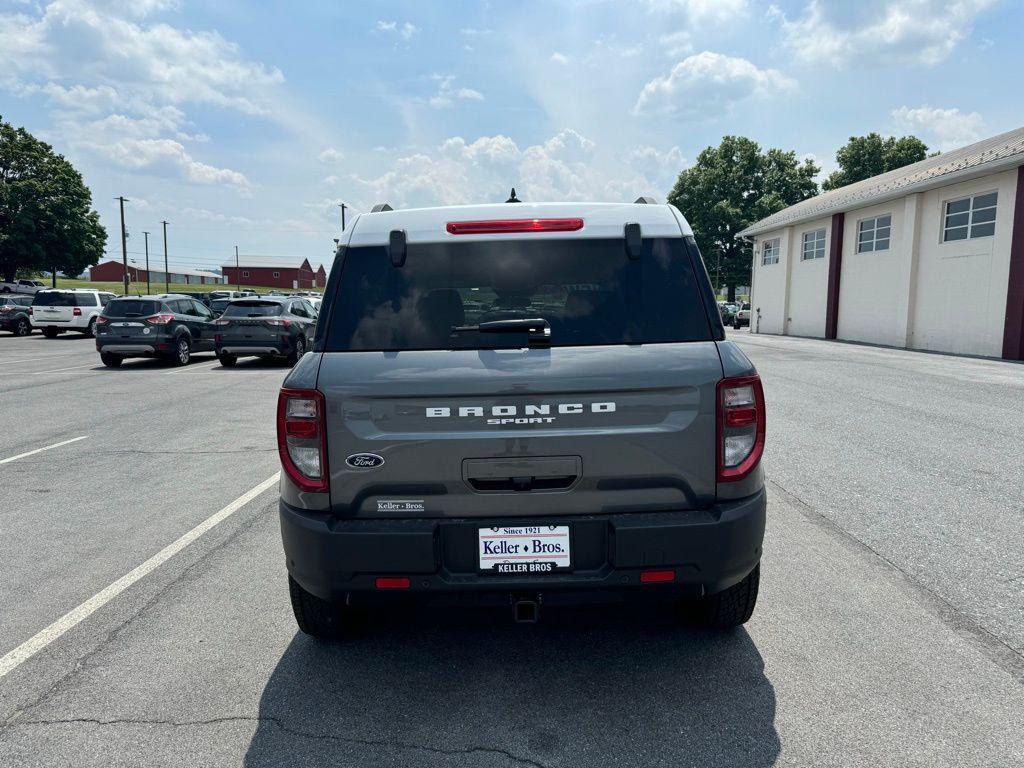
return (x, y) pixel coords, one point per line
(244, 123)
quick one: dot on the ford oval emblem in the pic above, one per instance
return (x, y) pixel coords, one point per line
(364, 461)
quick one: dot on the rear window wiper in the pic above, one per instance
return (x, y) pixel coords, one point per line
(538, 329)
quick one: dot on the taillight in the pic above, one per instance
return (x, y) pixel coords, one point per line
(221, 321)
(101, 320)
(741, 426)
(500, 226)
(302, 438)
(77, 311)
(161, 319)
(278, 321)
(6, 308)
(30, 310)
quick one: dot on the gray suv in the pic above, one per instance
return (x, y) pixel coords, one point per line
(168, 326)
(267, 326)
(516, 405)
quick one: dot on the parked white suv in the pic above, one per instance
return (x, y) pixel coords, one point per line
(57, 310)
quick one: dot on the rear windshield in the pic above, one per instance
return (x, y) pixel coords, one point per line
(252, 309)
(63, 299)
(132, 308)
(589, 291)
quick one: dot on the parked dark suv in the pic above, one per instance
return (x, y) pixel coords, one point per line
(268, 326)
(14, 315)
(169, 326)
(521, 405)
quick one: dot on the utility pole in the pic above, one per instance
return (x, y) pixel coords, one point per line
(124, 243)
(148, 289)
(167, 274)
(238, 273)
(343, 207)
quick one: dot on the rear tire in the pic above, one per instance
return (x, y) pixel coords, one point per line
(315, 617)
(298, 351)
(731, 607)
(50, 333)
(22, 328)
(228, 361)
(90, 329)
(182, 353)
(111, 361)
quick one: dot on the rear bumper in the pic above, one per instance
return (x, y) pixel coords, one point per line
(708, 550)
(128, 350)
(255, 348)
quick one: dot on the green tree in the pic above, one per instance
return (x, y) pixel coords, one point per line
(729, 188)
(46, 216)
(865, 156)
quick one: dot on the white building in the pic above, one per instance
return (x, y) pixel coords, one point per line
(930, 256)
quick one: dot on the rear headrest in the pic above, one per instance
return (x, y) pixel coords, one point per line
(441, 309)
(582, 303)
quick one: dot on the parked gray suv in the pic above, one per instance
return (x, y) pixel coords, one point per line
(169, 326)
(518, 405)
(266, 326)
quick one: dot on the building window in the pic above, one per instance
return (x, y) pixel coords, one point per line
(873, 234)
(245, 274)
(277, 274)
(970, 217)
(770, 252)
(814, 245)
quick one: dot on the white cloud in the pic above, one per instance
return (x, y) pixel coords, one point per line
(153, 61)
(483, 171)
(841, 33)
(160, 153)
(945, 128)
(706, 83)
(677, 44)
(330, 156)
(701, 11)
(559, 58)
(447, 93)
(406, 31)
(658, 168)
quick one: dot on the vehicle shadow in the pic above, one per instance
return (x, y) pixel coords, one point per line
(585, 687)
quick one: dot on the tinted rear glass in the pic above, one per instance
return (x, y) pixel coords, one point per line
(61, 299)
(252, 309)
(132, 308)
(588, 290)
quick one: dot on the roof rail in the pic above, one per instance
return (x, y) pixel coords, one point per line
(381, 207)
(645, 201)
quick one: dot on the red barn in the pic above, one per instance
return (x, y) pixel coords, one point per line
(113, 272)
(268, 272)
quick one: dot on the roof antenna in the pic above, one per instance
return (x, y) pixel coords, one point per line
(512, 198)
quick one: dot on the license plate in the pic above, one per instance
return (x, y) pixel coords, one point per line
(524, 549)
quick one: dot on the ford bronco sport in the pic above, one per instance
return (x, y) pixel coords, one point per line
(517, 404)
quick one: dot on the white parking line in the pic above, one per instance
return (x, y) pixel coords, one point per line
(61, 370)
(192, 368)
(40, 450)
(75, 616)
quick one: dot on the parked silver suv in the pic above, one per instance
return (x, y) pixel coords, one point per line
(521, 404)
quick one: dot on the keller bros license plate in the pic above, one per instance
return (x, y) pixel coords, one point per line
(524, 549)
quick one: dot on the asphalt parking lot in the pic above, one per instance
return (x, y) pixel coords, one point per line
(890, 628)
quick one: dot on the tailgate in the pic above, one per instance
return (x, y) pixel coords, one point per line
(522, 432)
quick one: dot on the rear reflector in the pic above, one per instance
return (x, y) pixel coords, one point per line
(657, 577)
(392, 582)
(501, 226)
